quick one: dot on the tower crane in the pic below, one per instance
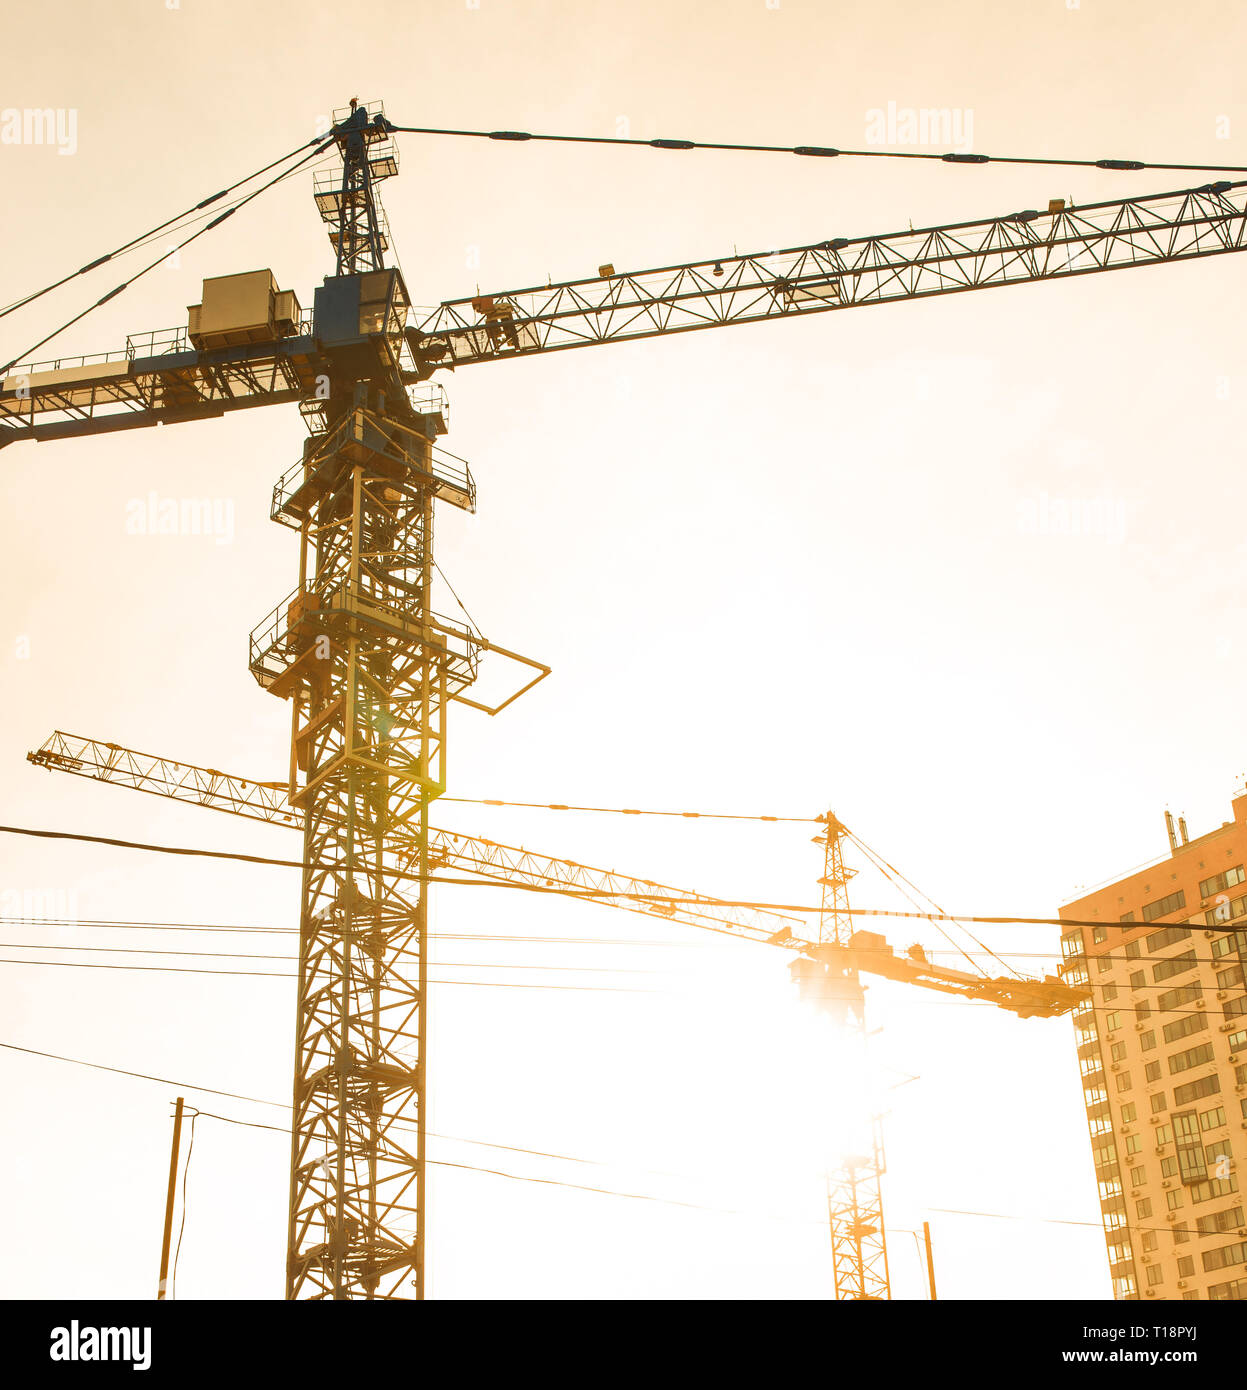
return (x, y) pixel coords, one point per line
(370, 669)
(825, 966)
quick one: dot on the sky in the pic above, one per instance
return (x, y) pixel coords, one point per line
(777, 569)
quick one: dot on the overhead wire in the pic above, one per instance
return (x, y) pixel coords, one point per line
(432, 1162)
(628, 810)
(293, 975)
(282, 1130)
(271, 955)
(587, 894)
(129, 924)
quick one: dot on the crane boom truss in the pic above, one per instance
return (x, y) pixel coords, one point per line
(160, 378)
(838, 949)
(845, 273)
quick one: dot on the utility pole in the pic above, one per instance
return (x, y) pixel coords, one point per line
(926, 1236)
(162, 1288)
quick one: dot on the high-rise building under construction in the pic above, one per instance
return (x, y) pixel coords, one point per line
(1162, 1048)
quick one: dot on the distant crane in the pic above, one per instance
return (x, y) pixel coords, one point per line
(371, 670)
(826, 970)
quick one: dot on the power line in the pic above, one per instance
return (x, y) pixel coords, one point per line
(629, 810)
(665, 943)
(277, 1129)
(273, 955)
(128, 924)
(293, 975)
(588, 894)
(820, 151)
(158, 849)
(433, 1162)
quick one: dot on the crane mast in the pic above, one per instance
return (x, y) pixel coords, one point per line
(370, 669)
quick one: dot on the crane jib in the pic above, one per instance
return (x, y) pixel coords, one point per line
(131, 389)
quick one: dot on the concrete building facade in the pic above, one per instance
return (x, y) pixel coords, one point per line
(1162, 1049)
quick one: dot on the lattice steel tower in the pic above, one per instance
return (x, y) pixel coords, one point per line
(854, 1198)
(370, 670)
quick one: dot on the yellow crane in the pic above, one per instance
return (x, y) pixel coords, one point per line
(825, 965)
(370, 669)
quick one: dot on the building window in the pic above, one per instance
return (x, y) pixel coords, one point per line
(1123, 1081)
(1234, 1291)
(1192, 1057)
(1143, 1208)
(1175, 965)
(1161, 908)
(1184, 1027)
(1129, 1113)
(1219, 882)
(1151, 1072)
(1217, 1159)
(1235, 1254)
(1212, 1119)
(1228, 1220)
(1191, 1163)
(1234, 941)
(1149, 1241)
(1181, 994)
(1098, 934)
(1133, 949)
(1138, 1176)
(1174, 1198)
(1158, 1103)
(1110, 991)
(1117, 1052)
(1137, 979)
(1113, 1021)
(1147, 1041)
(1197, 1090)
(1231, 978)
(1155, 1275)
(1214, 1187)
